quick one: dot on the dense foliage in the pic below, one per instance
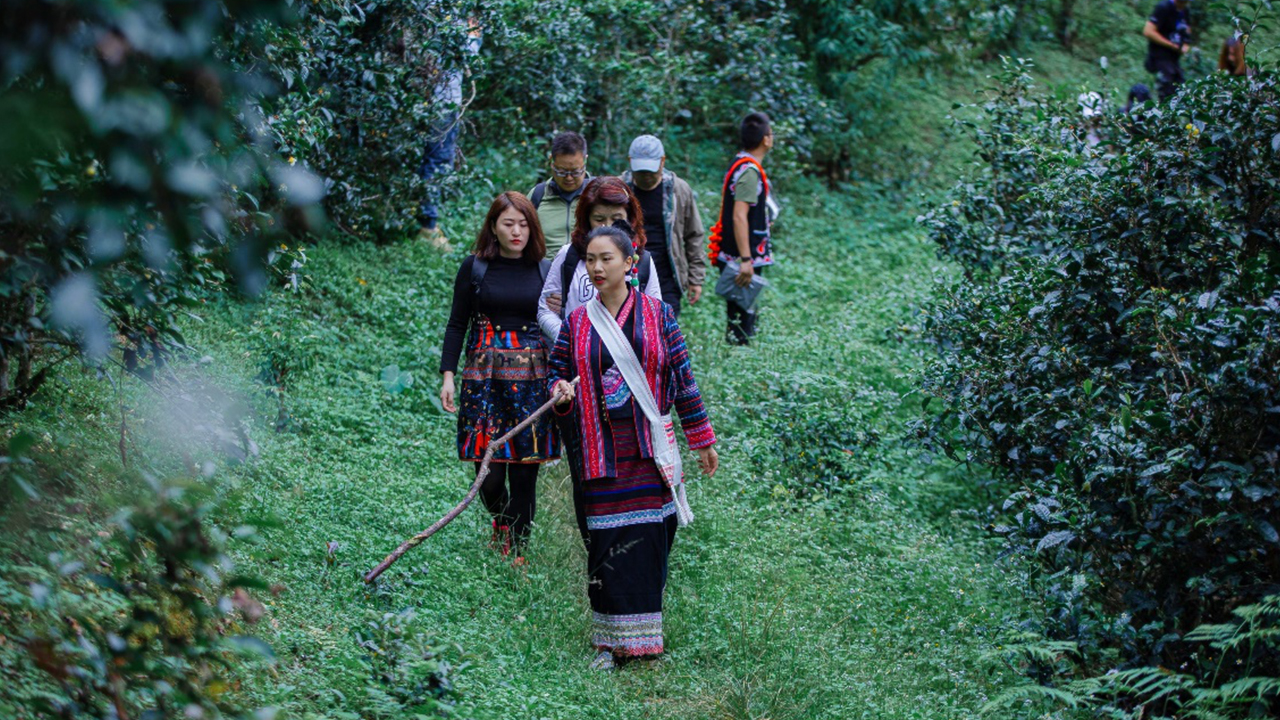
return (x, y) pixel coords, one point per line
(1112, 358)
(1108, 354)
(134, 175)
(362, 81)
(359, 99)
(146, 619)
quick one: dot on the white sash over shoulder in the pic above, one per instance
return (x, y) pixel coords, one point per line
(666, 451)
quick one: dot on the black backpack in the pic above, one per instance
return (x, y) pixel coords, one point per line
(571, 259)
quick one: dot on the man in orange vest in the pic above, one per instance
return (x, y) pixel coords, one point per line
(742, 235)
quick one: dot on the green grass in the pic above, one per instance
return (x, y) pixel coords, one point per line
(776, 608)
(783, 602)
(877, 597)
(833, 571)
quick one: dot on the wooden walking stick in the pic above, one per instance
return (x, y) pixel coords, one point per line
(416, 540)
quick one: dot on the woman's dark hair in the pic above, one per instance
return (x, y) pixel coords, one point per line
(754, 129)
(606, 191)
(1138, 94)
(487, 246)
(1227, 59)
(568, 143)
(618, 233)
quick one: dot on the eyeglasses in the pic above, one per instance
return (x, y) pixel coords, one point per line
(576, 172)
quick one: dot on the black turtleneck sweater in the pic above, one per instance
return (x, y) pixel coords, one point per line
(508, 297)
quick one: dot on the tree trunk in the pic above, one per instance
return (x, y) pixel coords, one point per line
(24, 358)
(1066, 13)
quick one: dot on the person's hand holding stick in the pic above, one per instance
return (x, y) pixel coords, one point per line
(558, 398)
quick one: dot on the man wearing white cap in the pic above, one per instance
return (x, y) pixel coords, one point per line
(672, 223)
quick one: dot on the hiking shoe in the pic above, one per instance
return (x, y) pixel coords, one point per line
(603, 661)
(434, 236)
(504, 533)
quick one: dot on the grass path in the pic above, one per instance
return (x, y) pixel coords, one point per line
(782, 602)
(874, 599)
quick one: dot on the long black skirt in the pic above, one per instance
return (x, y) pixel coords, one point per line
(629, 524)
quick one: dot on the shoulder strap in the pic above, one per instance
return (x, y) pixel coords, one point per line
(544, 267)
(570, 266)
(759, 168)
(539, 191)
(728, 177)
(646, 262)
(479, 266)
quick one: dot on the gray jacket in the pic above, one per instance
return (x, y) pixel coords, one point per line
(686, 239)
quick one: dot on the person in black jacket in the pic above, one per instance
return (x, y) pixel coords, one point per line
(1168, 34)
(495, 295)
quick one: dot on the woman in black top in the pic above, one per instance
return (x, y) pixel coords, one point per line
(504, 380)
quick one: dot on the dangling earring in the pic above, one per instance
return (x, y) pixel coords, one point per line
(635, 271)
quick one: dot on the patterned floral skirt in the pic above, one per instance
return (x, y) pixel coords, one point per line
(503, 382)
(629, 523)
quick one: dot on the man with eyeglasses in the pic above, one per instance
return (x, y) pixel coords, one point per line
(556, 200)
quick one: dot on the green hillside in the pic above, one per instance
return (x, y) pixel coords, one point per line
(836, 568)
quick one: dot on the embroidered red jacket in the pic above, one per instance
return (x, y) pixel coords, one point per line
(659, 344)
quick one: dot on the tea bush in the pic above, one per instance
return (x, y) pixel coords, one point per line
(1117, 368)
(359, 101)
(146, 619)
(408, 672)
(989, 217)
(661, 67)
(360, 80)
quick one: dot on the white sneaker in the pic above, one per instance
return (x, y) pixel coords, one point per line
(435, 237)
(602, 661)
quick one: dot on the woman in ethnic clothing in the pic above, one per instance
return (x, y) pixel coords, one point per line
(604, 201)
(626, 509)
(495, 296)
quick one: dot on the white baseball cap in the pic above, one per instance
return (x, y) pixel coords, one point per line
(646, 154)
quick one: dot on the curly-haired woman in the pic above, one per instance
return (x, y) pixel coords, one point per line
(567, 286)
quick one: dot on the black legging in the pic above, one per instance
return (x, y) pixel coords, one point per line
(742, 324)
(512, 507)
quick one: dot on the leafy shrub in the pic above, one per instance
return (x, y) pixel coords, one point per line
(148, 623)
(360, 79)
(133, 177)
(1245, 646)
(822, 443)
(988, 217)
(407, 670)
(1120, 374)
(658, 67)
(854, 51)
(360, 102)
